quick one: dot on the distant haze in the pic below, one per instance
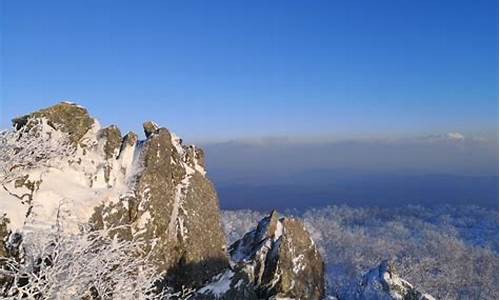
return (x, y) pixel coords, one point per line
(448, 168)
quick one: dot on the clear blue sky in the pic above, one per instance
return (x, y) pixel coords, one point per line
(239, 69)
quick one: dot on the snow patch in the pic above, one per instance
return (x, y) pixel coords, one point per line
(220, 285)
(278, 232)
(70, 184)
(176, 223)
(144, 220)
(177, 142)
(298, 263)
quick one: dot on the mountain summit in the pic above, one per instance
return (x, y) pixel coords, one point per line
(100, 179)
(89, 213)
(62, 174)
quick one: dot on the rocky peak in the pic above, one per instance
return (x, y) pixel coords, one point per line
(113, 140)
(154, 191)
(278, 259)
(130, 139)
(60, 172)
(67, 117)
(150, 128)
(383, 282)
(195, 158)
(267, 232)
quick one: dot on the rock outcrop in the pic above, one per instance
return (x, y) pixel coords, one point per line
(62, 173)
(383, 283)
(78, 176)
(66, 117)
(276, 260)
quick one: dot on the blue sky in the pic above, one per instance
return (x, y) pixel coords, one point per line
(215, 70)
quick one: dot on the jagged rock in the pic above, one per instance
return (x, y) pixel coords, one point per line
(276, 260)
(130, 139)
(150, 128)
(65, 116)
(383, 283)
(155, 189)
(191, 243)
(195, 157)
(113, 140)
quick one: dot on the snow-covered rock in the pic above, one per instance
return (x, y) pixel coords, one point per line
(277, 260)
(61, 171)
(383, 283)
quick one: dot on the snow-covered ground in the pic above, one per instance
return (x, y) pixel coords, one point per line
(445, 251)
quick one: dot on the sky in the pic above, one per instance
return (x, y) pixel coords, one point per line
(225, 70)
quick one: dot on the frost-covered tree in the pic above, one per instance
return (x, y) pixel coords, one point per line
(448, 252)
(35, 144)
(237, 223)
(85, 266)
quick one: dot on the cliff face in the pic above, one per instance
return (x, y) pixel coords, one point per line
(277, 259)
(78, 176)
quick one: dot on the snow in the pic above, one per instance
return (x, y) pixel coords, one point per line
(113, 269)
(220, 285)
(463, 231)
(197, 165)
(126, 157)
(298, 264)
(143, 220)
(16, 211)
(278, 232)
(71, 185)
(199, 168)
(176, 223)
(176, 141)
(73, 182)
(72, 103)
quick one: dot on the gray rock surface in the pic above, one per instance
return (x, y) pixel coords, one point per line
(276, 260)
(66, 117)
(155, 189)
(384, 283)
